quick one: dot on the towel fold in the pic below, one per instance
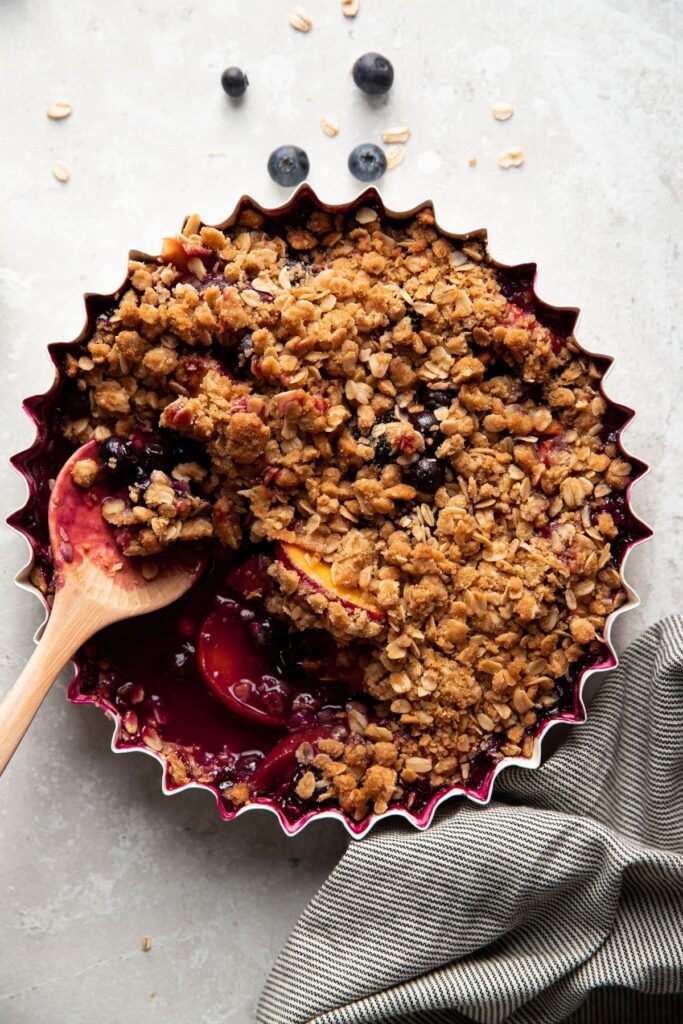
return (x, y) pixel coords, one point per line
(562, 901)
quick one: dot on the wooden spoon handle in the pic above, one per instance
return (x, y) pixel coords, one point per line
(70, 624)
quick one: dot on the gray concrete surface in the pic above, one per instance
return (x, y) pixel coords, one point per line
(92, 857)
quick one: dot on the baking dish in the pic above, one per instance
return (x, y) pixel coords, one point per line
(38, 464)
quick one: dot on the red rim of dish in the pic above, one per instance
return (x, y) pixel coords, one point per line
(30, 463)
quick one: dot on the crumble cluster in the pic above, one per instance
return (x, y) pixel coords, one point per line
(364, 389)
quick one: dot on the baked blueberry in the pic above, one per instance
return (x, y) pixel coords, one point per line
(367, 162)
(435, 398)
(119, 456)
(427, 424)
(288, 165)
(426, 475)
(373, 74)
(383, 453)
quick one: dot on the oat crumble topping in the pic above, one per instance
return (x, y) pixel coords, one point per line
(365, 392)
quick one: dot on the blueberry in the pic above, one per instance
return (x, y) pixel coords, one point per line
(157, 453)
(288, 165)
(234, 82)
(427, 424)
(433, 398)
(119, 456)
(243, 353)
(383, 452)
(367, 162)
(426, 475)
(373, 73)
(185, 449)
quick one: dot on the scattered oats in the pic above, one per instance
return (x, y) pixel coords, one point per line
(358, 721)
(146, 944)
(395, 155)
(112, 507)
(262, 284)
(457, 258)
(329, 126)
(59, 110)
(192, 224)
(216, 152)
(511, 158)
(350, 8)
(502, 111)
(196, 267)
(365, 215)
(419, 764)
(150, 570)
(396, 651)
(472, 162)
(300, 20)
(306, 786)
(61, 171)
(396, 135)
(400, 707)
(130, 722)
(150, 737)
(400, 682)
(304, 753)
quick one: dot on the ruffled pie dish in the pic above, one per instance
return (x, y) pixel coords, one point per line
(174, 713)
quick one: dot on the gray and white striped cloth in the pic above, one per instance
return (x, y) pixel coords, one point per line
(562, 901)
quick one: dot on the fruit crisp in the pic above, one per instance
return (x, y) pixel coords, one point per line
(409, 461)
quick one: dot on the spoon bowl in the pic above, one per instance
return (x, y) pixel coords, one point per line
(95, 586)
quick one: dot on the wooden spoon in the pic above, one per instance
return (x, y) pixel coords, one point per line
(95, 585)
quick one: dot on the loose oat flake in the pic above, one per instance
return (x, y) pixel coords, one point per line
(59, 110)
(350, 8)
(395, 155)
(146, 944)
(300, 20)
(511, 158)
(329, 126)
(502, 111)
(366, 215)
(396, 135)
(61, 171)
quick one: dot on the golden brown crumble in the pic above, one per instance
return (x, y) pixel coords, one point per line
(300, 358)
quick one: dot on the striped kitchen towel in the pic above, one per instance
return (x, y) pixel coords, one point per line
(562, 901)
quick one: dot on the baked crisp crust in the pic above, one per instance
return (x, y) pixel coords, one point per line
(300, 357)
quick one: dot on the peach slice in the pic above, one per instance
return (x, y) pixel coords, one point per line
(280, 763)
(240, 673)
(317, 576)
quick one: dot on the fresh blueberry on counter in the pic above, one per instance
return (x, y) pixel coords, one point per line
(367, 162)
(288, 165)
(234, 82)
(373, 73)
